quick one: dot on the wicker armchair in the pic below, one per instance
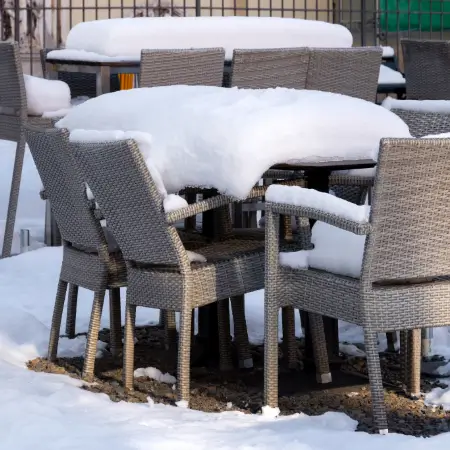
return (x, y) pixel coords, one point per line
(427, 69)
(80, 84)
(90, 260)
(194, 67)
(403, 283)
(160, 274)
(13, 118)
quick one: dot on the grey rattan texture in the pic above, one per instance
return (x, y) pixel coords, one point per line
(404, 282)
(202, 67)
(13, 118)
(159, 272)
(347, 71)
(87, 262)
(423, 123)
(427, 69)
(270, 68)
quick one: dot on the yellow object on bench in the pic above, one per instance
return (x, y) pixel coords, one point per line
(126, 81)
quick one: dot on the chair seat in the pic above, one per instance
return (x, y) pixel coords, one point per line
(86, 269)
(233, 267)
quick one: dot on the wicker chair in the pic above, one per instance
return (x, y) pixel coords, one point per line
(160, 274)
(402, 284)
(427, 69)
(80, 84)
(347, 71)
(13, 118)
(194, 67)
(89, 259)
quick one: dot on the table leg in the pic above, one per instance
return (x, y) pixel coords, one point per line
(319, 180)
(51, 74)
(103, 81)
(208, 333)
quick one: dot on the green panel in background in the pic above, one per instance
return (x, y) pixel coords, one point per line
(404, 15)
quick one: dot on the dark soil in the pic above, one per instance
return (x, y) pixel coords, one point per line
(242, 390)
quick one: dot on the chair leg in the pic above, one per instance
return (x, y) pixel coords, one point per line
(190, 223)
(184, 355)
(71, 310)
(128, 353)
(56, 320)
(391, 338)
(162, 318)
(320, 351)
(404, 357)
(170, 329)
(289, 342)
(270, 353)
(376, 382)
(240, 332)
(13, 197)
(414, 360)
(223, 317)
(115, 321)
(92, 336)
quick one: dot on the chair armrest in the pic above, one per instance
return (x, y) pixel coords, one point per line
(321, 215)
(198, 208)
(43, 194)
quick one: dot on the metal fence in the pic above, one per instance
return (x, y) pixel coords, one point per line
(39, 24)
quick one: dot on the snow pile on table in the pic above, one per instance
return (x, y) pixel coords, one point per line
(388, 52)
(227, 138)
(46, 96)
(127, 37)
(390, 76)
(435, 106)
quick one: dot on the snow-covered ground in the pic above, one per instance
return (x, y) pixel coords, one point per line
(43, 411)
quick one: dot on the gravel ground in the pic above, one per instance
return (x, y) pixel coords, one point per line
(215, 391)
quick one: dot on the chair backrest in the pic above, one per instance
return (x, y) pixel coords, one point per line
(423, 123)
(427, 69)
(13, 99)
(270, 68)
(347, 71)
(194, 67)
(410, 212)
(132, 205)
(64, 187)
